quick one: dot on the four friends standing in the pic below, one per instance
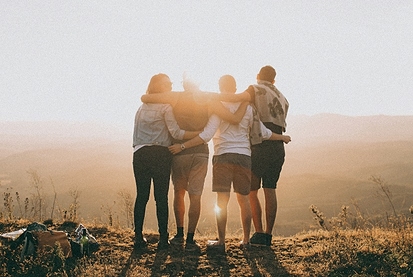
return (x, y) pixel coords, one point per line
(247, 131)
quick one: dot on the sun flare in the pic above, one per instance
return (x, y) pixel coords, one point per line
(217, 209)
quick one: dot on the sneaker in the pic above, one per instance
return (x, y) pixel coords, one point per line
(268, 239)
(192, 246)
(213, 245)
(259, 239)
(177, 240)
(140, 243)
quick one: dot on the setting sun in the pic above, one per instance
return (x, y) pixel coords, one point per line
(164, 128)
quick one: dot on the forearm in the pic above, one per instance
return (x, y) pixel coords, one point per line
(177, 148)
(237, 97)
(163, 98)
(268, 135)
(217, 108)
(284, 138)
(191, 134)
(193, 142)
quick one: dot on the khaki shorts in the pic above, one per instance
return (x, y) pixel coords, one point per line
(231, 168)
(189, 172)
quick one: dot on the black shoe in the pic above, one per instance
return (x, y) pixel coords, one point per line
(163, 244)
(177, 240)
(268, 239)
(192, 246)
(140, 244)
(259, 239)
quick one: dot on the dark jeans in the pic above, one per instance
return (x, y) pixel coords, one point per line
(152, 163)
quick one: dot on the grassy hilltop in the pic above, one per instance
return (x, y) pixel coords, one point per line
(335, 252)
(353, 175)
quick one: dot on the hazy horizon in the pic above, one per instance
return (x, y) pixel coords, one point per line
(72, 73)
(91, 61)
(328, 164)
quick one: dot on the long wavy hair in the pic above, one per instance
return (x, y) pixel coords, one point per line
(155, 83)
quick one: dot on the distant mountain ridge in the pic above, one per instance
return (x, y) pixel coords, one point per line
(319, 126)
(328, 163)
(334, 127)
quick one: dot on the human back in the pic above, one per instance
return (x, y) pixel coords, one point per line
(270, 103)
(233, 138)
(154, 122)
(191, 115)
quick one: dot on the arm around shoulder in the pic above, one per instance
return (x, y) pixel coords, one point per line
(176, 148)
(285, 138)
(237, 97)
(217, 108)
(163, 98)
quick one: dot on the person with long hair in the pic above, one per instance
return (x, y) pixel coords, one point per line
(192, 109)
(155, 127)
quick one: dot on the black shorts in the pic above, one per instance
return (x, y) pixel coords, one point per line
(231, 168)
(267, 160)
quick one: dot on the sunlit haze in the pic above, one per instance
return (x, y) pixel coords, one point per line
(91, 60)
(72, 74)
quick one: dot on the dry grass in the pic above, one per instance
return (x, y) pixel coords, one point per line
(374, 252)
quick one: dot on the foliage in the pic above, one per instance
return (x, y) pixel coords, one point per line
(361, 252)
(349, 244)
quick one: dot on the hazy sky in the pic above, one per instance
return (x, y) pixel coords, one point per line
(91, 60)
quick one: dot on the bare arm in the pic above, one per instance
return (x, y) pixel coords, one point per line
(268, 135)
(238, 97)
(164, 98)
(217, 108)
(285, 138)
(205, 136)
(176, 148)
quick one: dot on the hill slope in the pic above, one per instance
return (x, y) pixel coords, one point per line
(374, 252)
(328, 164)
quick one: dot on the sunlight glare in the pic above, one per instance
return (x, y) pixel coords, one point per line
(217, 209)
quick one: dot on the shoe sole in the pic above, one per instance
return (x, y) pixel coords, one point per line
(218, 248)
(177, 243)
(259, 245)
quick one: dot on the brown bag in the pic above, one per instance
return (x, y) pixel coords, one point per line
(49, 238)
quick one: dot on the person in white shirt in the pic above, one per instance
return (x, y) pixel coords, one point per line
(267, 156)
(231, 160)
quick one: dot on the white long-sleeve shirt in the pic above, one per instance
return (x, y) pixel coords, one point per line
(231, 138)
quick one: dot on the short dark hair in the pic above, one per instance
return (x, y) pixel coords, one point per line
(227, 83)
(267, 73)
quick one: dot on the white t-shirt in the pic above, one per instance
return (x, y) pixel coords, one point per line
(232, 138)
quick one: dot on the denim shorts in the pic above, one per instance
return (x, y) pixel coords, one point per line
(231, 168)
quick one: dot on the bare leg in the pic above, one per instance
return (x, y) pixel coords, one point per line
(270, 209)
(193, 212)
(256, 211)
(179, 207)
(245, 207)
(221, 215)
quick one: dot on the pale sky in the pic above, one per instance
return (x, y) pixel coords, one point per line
(92, 60)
